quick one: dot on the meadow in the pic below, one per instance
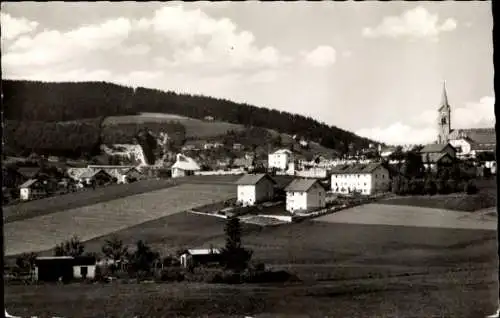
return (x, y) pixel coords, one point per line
(44, 232)
(195, 128)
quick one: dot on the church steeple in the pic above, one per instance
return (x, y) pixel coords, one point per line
(444, 97)
(444, 119)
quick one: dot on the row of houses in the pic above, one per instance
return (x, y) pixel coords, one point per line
(33, 182)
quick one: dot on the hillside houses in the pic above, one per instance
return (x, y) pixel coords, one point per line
(280, 159)
(360, 178)
(255, 188)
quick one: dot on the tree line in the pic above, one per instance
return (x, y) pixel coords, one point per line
(42, 101)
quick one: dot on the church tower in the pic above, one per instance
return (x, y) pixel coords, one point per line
(444, 119)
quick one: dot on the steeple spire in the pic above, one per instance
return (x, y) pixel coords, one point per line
(444, 98)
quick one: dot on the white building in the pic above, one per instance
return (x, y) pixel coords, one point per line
(25, 189)
(280, 159)
(305, 195)
(255, 188)
(366, 179)
(184, 166)
(80, 267)
(199, 257)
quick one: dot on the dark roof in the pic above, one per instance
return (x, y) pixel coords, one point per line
(434, 157)
(434, 148)
(29, 172)
(249, 179)
(477, 135)
(74, 261)
(483, 147)
(302, 185)
(356, 168)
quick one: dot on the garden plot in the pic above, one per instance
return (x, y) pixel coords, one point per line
(44, 232)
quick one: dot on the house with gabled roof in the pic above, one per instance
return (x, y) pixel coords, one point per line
(364, 179)
(255, 188)
(439, 149)
(305, 195)
(27, 189)
(280, 159)
(184, 166)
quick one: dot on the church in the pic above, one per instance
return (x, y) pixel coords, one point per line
(467, 142)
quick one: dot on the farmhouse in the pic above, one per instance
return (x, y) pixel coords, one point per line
(184, 166)
(439, 149)
(255, 188)
(305, 195)
(197, 257)
(436, 160)
(365, 179)
(29, 189)
(66, 268)
(280, 159)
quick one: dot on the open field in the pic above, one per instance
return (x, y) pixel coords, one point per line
(486, 198)
(78, 199)
(195, 128)
(454, 295)
(44, 232)
(412, 216)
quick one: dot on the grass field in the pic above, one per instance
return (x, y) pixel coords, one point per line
(44, 232)
(486, 198)
(195, 128)
(78, 199)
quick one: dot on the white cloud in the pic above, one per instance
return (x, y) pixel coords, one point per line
(399, 134)
(49, 47)
(347, 53)
(422, 128)
(199, 38)
(321, 56)
(414, 23)
(138, 49)
(13, 27)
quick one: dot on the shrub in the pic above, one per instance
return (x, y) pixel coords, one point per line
(171, 274)
(441, 187)
(430, 187)
(453, 185)
(470, 188)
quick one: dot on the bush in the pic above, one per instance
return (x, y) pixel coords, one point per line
(430, 187)
(470, 188)
(452, 185)
(174, 274)
(268, 277)
(441, 187)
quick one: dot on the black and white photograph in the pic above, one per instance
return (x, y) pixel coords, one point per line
(250, 159)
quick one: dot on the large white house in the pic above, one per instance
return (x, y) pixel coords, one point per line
(255, 188)
(280, 159)
(365, 179)
(184, 166)
(305, 195)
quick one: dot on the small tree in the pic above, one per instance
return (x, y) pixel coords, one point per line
(470, 188)
(73, 247)
(441, 186)
(115, 250)
(26, 261)
(143, 257)
(234, 256)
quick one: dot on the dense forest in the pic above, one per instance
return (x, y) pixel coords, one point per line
(56, 102)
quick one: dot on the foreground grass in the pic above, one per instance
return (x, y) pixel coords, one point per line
(455, 294)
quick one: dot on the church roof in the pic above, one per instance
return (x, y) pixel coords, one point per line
(483, 136)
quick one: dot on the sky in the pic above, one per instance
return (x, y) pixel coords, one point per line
(373, 68)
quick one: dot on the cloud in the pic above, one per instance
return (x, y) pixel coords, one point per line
(422, 128)
(50, 46)
(197, 38)
(414, 23)
(347, 53)
(399, 134)
(321, 56)
(13, 27)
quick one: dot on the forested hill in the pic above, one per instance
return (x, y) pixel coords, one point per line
(43, 101)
